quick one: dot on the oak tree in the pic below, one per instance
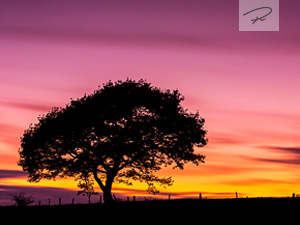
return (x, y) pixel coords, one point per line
(122, 132)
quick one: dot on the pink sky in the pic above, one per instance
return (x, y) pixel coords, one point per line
(245, 84)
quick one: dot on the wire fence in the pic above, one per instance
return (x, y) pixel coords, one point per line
(99, 199)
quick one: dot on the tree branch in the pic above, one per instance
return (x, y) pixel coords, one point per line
(98, 180)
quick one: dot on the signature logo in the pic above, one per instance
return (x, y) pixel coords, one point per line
(262, 18)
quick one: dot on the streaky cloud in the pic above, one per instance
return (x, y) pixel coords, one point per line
(12, 174)
(293, 150)
(25, 106)
(146, 38)
(284, 161)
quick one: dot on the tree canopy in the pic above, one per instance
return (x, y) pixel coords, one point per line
(123, 131)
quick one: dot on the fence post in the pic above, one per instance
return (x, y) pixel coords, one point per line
(115, 198)
(100, 198)
(169, 196)
(134, 198)
(236, 195)
(200, 196)
(73, 200)
(127, 199)
(59, 201)
(293, 195)
(39, 203)
(49, 201)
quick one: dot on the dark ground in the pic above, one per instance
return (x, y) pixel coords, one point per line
(258, 210)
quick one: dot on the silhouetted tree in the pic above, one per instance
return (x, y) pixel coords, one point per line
(87, 188)
(21, 199)
(122, 132)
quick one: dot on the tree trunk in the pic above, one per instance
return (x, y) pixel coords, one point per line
(107, 190)
(107, 196)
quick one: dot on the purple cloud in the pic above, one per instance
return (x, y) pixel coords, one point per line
(26, 106)
(43, 194)
(294, 153)
(284, 161)
(293, 150)
(12, 174)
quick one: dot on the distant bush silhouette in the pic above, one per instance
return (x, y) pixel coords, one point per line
(22, 200)
(122, 132)
(87, 188)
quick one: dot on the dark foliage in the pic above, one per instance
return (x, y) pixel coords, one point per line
(87, 188)
(124, 131)
(21, 199)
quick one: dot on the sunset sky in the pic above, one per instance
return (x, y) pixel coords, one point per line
(245, 85)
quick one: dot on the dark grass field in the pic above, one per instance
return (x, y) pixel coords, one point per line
(248, 208)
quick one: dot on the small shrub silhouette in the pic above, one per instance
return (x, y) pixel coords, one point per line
(21, 199)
